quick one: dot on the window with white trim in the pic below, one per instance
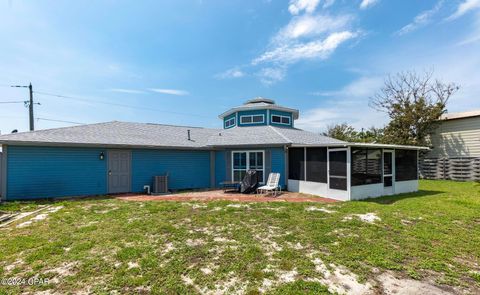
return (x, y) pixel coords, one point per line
(279, 119)
(252, 119)
(230, 122)
(248, 160)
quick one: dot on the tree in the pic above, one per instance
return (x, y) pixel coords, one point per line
(341, 131)
(414, 103)
(346, 132)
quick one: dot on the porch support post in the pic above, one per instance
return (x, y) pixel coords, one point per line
(285, 151)
(349, 173)
(305, 163)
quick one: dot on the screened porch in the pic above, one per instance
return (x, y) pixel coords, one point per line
(352, 172)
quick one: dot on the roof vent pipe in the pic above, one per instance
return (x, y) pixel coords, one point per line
(188, 134)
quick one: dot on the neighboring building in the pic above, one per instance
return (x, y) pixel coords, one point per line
(458, 135)
(120, 157)
(455, 152)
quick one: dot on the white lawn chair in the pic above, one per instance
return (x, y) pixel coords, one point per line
(272, 185)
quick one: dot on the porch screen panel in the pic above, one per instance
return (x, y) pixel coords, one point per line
(338, 170)
(406, 165)
(317, 164)
(296, 163)
(366, 166)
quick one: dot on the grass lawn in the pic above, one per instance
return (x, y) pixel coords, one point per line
(102, 245)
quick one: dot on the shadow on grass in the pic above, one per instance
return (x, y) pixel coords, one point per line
(386, 200)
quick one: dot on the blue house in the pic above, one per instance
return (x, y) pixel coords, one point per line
(121, 157)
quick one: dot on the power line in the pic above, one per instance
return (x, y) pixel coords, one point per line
(116, 104)
(60, 121)
(14, 101)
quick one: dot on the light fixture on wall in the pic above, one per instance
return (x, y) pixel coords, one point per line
(102, 156)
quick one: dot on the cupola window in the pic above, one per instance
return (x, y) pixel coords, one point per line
(281, 119)
(252, 119)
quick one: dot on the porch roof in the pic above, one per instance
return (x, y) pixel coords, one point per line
(361, 144)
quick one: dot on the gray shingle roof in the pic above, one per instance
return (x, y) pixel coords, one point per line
(157, 135)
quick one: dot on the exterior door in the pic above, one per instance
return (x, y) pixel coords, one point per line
(119, 171)
(337, 169)
(388, 171)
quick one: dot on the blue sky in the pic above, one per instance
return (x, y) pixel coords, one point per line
(185, 62)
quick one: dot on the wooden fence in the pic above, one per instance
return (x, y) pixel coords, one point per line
(460, 169)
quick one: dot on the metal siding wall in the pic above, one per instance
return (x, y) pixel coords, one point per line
(186, 169)
(255, 112)
(40, 172)
(275, 112)
(457, 138)
(220, 167)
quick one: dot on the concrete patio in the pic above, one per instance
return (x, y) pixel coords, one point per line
(215, 195)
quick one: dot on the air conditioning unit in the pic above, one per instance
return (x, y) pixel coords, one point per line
(160, 184)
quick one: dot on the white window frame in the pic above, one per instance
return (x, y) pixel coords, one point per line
(248, 162)
(231, 119)
(251, 116)
(392, 175)
(281, 117)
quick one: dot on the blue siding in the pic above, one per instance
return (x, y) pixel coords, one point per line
(40, 172)
(186, 169)
(254, 112)
(220, 167)
(234, 115)
(275, 112)
(278, 163)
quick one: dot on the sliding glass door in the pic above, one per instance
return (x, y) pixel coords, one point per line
(248, 160)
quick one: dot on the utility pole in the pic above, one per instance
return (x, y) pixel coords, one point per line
(30, 107)
(29, 104)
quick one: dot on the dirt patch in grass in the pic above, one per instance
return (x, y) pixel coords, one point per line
(225, 247)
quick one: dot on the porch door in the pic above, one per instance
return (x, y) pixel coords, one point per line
(119, 171)
(337, 169)
(388, 169)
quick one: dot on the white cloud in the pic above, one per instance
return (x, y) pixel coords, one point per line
(320, 49)
(421, 20)
(271, 75)
(368, 3)
(231, 73)
(129, 91)
(170, 91)
(349, 104)
(363, 87)
(356, 113)
(464, 7)
(311, 25)
(297, 6)
(475, 35)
